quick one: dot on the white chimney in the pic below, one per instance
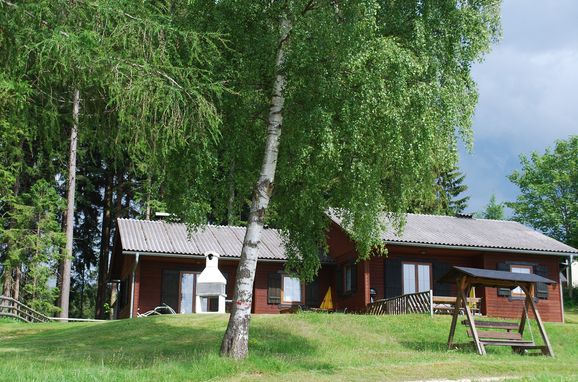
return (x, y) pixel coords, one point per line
(211, 287)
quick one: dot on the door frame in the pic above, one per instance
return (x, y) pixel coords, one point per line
(195, 275)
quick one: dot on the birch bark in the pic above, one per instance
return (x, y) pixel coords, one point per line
(67, 262)
(236, 339)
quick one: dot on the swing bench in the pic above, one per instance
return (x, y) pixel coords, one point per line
(498, 333)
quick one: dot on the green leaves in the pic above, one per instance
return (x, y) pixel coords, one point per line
(548, 183)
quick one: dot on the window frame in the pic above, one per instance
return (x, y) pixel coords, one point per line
(518, 292)
(194, 303)
(348, 268)
(283, 301)
(416, 265)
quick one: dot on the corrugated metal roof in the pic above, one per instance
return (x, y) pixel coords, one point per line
(172, 238)
(469, 232)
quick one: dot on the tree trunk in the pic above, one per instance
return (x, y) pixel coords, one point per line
(7, 285)
(16, 286)
(113, 304)
(148, 202)
(104, 247)
(82, 283)
(231, 201)
(119, 194)
(236, 340)
(67, 262)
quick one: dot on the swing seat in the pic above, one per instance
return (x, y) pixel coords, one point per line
(491, 335)
(509, 326)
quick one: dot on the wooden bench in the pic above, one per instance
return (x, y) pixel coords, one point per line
(507, 337)
(509, 326)
(446, 304)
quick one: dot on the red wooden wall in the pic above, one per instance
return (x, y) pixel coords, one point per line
(370, 274)
(148, 281)
(373, 274)
(500, 306)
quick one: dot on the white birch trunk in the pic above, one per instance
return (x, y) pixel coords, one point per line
(67, 261)
(236, 340)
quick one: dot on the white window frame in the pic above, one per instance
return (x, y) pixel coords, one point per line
(518, 292)
(415, 266)
(294, 279)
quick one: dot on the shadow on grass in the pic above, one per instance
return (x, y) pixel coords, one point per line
(143, 343)
(436, 346)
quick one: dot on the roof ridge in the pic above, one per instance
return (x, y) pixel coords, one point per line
(473, 218)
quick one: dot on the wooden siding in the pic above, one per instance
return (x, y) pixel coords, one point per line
(441, 261)
(384, 275)
(507, 307)
(260, 288)
(342, 250)
(381, 273)
(377, 276)
(150, 270)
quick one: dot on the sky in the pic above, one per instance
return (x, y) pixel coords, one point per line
(528, 95)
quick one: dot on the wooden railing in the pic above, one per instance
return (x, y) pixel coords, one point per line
(404, 304)
(10, 307)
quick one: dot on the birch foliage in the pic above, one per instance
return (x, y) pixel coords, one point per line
(378, 94)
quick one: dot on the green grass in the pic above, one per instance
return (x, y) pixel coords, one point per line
(302, 347)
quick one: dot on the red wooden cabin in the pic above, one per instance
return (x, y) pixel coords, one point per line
(151, 260)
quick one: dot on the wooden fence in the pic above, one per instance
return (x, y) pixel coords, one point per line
(12, 308)
(404, 304)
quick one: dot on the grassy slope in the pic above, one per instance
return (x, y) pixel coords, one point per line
(299, 347)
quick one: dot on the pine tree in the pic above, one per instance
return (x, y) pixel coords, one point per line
(493, 210)
(445, 197)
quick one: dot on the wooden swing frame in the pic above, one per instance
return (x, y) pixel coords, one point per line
(499, 279)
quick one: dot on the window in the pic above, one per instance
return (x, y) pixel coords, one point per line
(283, 289)
(187, 292)
(291, 292)
(416, 277)
(527, 269)
(346, 277)
(348, 273)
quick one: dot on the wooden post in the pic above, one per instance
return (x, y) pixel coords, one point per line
(479, 346)
(530, 299)
(456, 313)
(525, 311)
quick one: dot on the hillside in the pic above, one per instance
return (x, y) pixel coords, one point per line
(308, 346)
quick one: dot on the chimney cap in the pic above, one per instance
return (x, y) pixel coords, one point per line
(211, 254)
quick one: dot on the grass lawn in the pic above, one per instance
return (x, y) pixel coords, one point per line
(302, 347)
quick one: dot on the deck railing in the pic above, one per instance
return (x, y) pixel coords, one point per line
(408, 303)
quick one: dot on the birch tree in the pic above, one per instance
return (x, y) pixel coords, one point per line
(364, 98)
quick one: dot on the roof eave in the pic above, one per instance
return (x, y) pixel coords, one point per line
(191, 256)
(196, 256)
(485, 249)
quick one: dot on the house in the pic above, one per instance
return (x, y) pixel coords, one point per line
(151, 260)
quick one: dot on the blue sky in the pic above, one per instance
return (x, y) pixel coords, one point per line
(528, 94)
